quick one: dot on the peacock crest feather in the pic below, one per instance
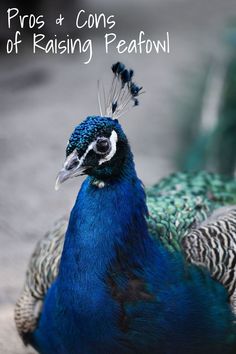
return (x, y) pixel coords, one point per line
(123, 93)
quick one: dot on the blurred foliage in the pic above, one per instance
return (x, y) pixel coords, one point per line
(214, 144)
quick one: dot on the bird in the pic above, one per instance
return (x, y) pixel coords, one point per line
(132, 270)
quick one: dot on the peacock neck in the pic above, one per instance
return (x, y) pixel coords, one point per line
(104, 223)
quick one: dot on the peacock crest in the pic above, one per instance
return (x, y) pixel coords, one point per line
(123, 93)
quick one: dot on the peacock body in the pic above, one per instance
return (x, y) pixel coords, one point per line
(126, 273)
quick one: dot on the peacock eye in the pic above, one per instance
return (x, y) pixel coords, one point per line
(102, 146)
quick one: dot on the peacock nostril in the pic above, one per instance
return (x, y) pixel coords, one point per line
(74, 163)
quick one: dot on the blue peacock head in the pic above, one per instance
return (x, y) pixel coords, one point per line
(98, 146)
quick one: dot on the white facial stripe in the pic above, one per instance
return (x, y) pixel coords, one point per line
(90, 147)
(113, 139)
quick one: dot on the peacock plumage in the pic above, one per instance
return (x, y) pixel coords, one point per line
(132, 270)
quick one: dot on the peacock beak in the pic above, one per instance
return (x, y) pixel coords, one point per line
(73, 167)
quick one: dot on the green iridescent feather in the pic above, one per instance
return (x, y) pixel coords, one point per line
(182, 201)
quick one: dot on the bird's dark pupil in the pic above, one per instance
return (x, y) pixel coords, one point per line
(102, 145)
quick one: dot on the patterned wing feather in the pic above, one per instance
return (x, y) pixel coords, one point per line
(41, 272)
(213, 245)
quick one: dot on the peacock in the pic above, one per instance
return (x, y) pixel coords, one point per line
(132, 270)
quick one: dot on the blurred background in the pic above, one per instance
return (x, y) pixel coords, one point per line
(186, 119)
